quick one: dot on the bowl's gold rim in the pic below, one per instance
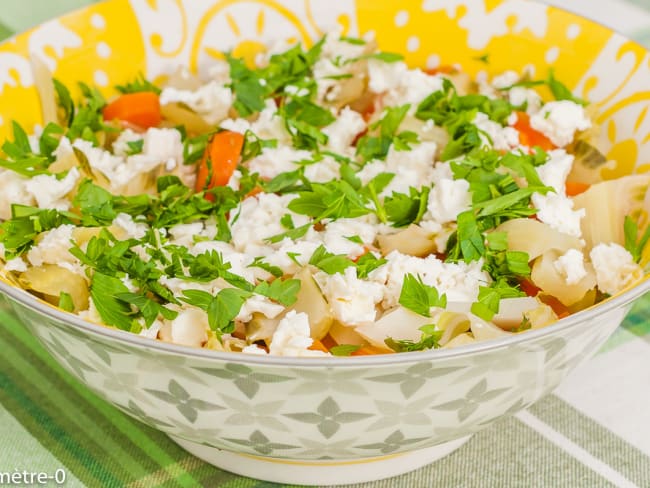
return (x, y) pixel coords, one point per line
(620, 300)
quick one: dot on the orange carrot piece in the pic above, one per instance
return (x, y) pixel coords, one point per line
(574, 188)
(368, 351)
(219, 161)
(141, 109)
(318, 346)
(529, 136)
(529, 288)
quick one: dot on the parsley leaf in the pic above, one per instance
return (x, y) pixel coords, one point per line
(429, 340)
(135, 147)
(403, 210)
(259, 262)
(139, 84)
(377, 146)
(328, 262)
(104, 290)
(418, 297)
(284, 292)
(490, 296)
(367, 263)
(633, 243)
(221, 308)
(344, 349)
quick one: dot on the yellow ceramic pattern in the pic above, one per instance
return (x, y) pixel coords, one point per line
(111, 42)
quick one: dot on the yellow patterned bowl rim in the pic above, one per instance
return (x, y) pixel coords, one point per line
(111, 42)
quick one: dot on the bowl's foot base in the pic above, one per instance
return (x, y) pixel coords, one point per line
(322, 472)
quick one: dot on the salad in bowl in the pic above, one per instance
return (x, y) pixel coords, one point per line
(319, 201)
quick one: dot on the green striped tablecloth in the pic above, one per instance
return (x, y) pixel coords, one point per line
(594, 431)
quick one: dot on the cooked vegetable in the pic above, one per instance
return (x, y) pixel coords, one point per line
(50, 280)
(413, 241)
(141, 109)
(608, 203)
(535, 238)
(546, 276)
(310, 300)
(219, 161)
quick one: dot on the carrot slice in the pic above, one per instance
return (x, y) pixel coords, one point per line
(219, 161)
(318, 346)
(141, 109)
(529, 136)
(529, 288)
(574, 188)
(367, 351)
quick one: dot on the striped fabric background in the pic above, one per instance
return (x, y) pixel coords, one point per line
(594, 431)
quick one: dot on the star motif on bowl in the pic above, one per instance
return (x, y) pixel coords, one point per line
(261, 444)
(245, 378)
(327, 450)
(415, 377)
(473, 399)
(328, 417)
(123, 382)
(396, 413)
(394, 442)
(251, 413)
(181, 399)
(318, 381)
(66, 357)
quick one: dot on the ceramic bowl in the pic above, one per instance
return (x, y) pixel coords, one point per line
(334, 420)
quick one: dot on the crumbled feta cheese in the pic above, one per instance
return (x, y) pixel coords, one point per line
(165, 145)
(259, 304)
(571, 266)
(269, 125)
(327, 169)
(400, 84)
(52, 248)
(16, 264)
(557, 211)
(560, 120)
(212, 101)
(291, 338)
(177, 285)
(351, 300)
(49, 192)
(447, 199)
(459, 281)
(412, 168)
(190, 328)
(493, 135)
(343, 131)
(337, 232)
(236, 125)
(274, 161)
(128, 227)
(120, 146)
(258, 218)
(331, 64)
(13, 190)
(383, 77)
(183, 234)
(91, 315)
(520, 97)
(615, 267)
(151, 332)
(554, 172)
(301, 252)
(505, 80)
(120, 172)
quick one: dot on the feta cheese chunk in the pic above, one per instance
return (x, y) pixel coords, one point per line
(560, 120)
(554, 172)
(274, 161)
(343, 131)
(53, 247)
(49, 192)
(165, 145)
(291, 338)
(447, 199)
(13, 190)
(352, 300)
(615, 267)
(557, 211)
(459, 281)
(212, 101)
(571, 266)
(493, 135)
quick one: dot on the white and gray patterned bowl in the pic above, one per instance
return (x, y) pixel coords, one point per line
(331, 420)
(307, 421)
